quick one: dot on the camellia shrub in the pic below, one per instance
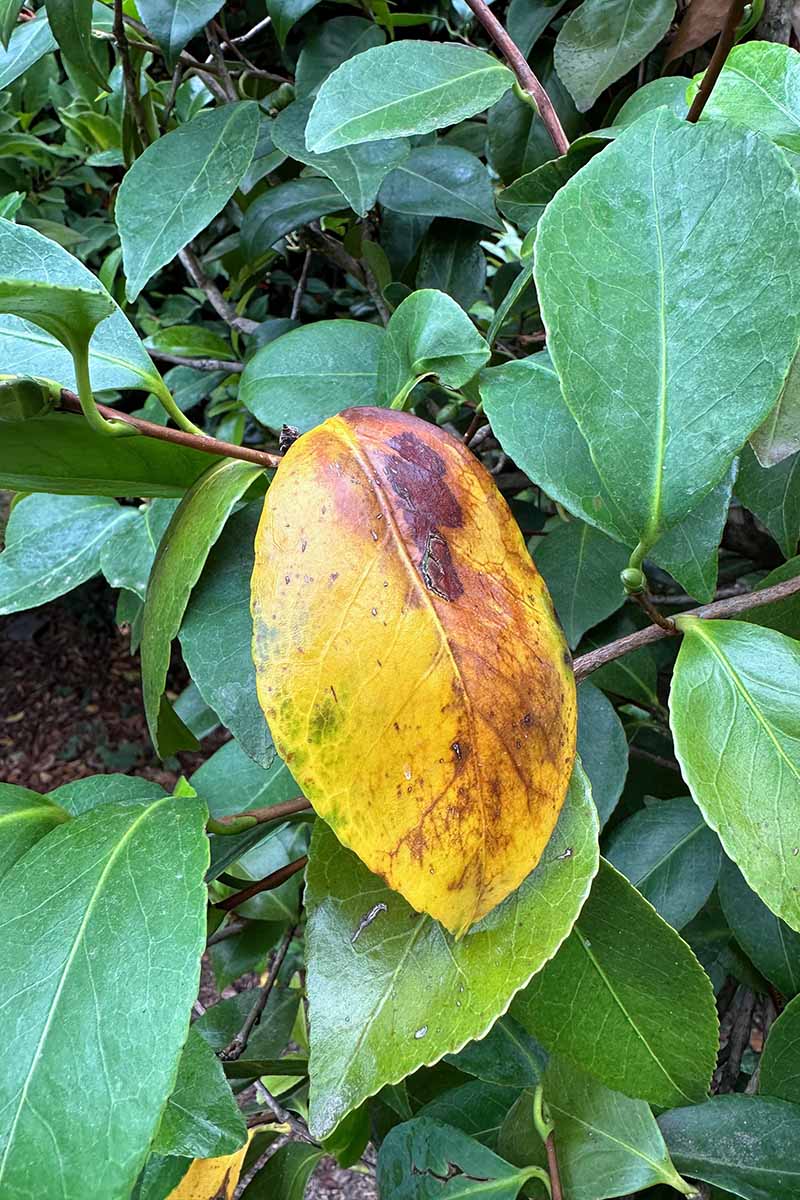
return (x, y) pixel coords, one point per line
(470, 496)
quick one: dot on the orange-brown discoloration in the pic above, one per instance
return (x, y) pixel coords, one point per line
(431, 715)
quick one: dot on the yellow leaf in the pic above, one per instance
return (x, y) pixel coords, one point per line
(211, 1178)
(409, 662)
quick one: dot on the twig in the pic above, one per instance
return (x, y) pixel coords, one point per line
(274, 880)
(252, 69)
(669, 764)
(741, 1012)
(721, 51)
(647, 606)
(552, 1169)
(222, 308)
(237, 1047)
(208, 445)
(251, 33)
(129, 76)
(299, 291)
(227, 931)
(202, 364)
(731, 607)
(175, 83)
(472, 428)
(527, 80)
(269, 812)
(219, 60)
(297, 1126)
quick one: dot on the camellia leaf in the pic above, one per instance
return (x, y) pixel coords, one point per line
(734, 721)
(441, 181)
(602, 39)
(329, 46)
(606, 1142)
(71, 25)
(201, 1119)
(581, 568)
(53, 543)
(773, 494)
(526, 407)
(68, 458)
(82, 794)
(414, 518)
(230, 782)
(604, 1002)
(476, 1108)
(744, 1144)
(357, 171)
(286, 207)
(72, 1041)
(670, 855)
(451, 260)
(218, 615)
(602, 748)
(527, 19)
(759, 87)
(116, 356)
(417, 1156)
(428, 335)
(286, 13)
(631, 307)
(179, 184)
(25, 816)
(780, 1063)
(779, 436)
(175, 22)
(126, 557)
(416, 994)
(195, 526)
(29, 42)
(402, 89)
(286, 1173)
(770, 945)
(507, 1055)
(312, 373)
(211, 1178)
(525, 200)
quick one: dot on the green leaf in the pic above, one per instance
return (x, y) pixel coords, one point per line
(126, 558)
(73, 1042)
(53, 543)
(218, 614)
(608, 1144)
(25, 817)
(9, 13)
(202, 1119)
(220, 1024)
(525, 405)
(441, 181)
(416, 1158)
(770, 945)
(71, 25)
(526, 20)
(311, 373)
(428, 335)
(780, 1063)
(606, 999)
(286, 13)
(287, 1172)
(669, 91)
(357, 171)
(331, 45)
(779, 436)
(525, 200)
(68, 458)
(179, 184)
(69, 314)
(734, 720)
(82, 794)
(507, 1055)
(160, 1176)
(759, 87)
(670, 855)
(190, 341)
(116, 356)
(405, 88)
(517, 136)
(745, 1144)
(416, 994)
(581, 568)
(773, 495)
(230, 782)
(476, 1108)
(284, 208)
(602, 748)
(670, 372)
(634, 675)
(281, 846)
(173, 23)
(451, 260)
(602, 39)
(29, 42)
(783, 615)
(181, 556)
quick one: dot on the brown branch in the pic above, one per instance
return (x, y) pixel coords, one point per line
(647, 607)
(270, 812)
(219, 61)
(552, 1169)
(193, 268)
(299, 291)
(129, 75)
(207, 445)
(525, 76)
(200, 364)
(274, 880)
(236, 1048)
(175, 83)
(721, 51)
(227, 931)
(731, 607)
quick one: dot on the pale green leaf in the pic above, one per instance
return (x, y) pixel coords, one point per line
(126, 557)
(25, 817)
(759, 87)
(29, 42)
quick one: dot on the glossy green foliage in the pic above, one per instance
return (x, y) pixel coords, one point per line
(78, 894)
(285, 208)
(605, 999)
(422, 994)
(581, 568)
(770, 945)
(734, 723)
(602, 747)
(441, 181)
(428, 335)
(773, 495)
(630, 308)
(25, 816)
(201, 1118)
(780, 1063)
(176, 22)
(759, 88)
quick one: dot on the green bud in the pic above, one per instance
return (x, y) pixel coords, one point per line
(633, 580)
